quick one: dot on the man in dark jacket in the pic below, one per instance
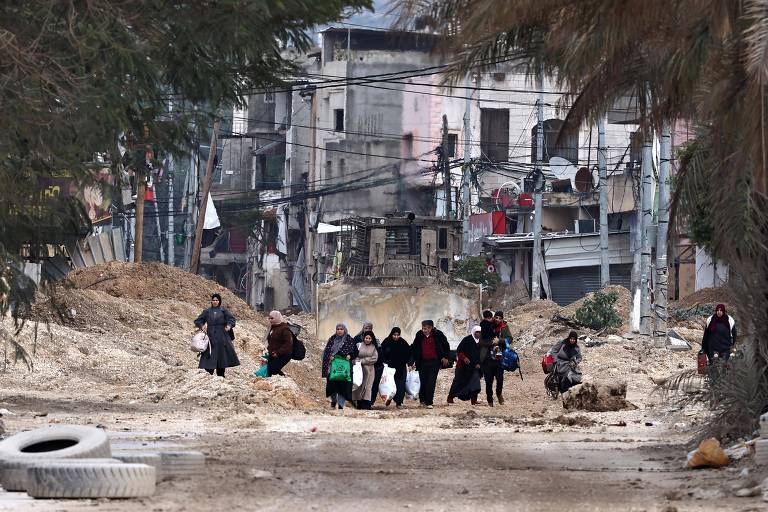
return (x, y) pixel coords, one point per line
(378, 366)
(492, 368)
(429, 353)
(489, 348)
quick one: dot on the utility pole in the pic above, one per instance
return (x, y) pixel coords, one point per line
(204, 198)
(466, 194)
(171, 220)
(138, 234)
(193, 184)
(159, 229)
(646, 200)
(443, 159)
(605, 268)
(309, 233)
(537, 192)
(662, 270)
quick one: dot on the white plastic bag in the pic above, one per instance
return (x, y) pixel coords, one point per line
(412, 383)
(387, 385)
(199, 342)
(357, 375)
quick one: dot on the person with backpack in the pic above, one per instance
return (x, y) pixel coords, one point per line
(489, 349)
(397, 354)
(367, 355)
(378, 365)
(492, 367)
(567, 356)
(218, 323)
(719, 335)
(343, 345)
(466, 379)
(279, 344)
(430, 353)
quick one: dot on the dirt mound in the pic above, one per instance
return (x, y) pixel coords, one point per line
(150, 281)
(507, 296)
(706, 297)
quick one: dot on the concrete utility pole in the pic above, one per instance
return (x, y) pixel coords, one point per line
(537, 192)
(662, 269)
(159, 229)
(138, 234)
(646, 194)
(605, 272)
(204, 198)
(309, 205)
(466, 194)
(171, 221)
(446, 167)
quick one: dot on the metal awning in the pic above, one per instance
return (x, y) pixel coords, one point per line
(264, 149)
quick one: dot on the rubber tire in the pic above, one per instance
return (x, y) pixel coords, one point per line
(62, 479)
(91, 443)
(13, 472)
(182, 464)
(137, 457)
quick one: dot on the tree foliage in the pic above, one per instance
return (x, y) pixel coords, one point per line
(597, 312)
(475, 270)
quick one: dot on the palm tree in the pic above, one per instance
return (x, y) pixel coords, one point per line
(705, 61)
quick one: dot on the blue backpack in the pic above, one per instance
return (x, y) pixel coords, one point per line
(510, 360)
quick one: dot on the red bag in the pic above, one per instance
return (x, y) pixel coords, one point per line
(701, 363)
(547, 362)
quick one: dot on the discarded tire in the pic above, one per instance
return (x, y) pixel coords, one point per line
(13, 472)
(62, 479)
(181, 464)
(150, 459)
(57, 442)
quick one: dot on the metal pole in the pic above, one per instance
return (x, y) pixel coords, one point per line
(171, 220)
(646, 193)
(537, 192)
(605, 272)
(159, 229)
(662, 269)
(446, 168)
(204, 198)
(466, 195)
(138, 230)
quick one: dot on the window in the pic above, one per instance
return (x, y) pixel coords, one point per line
(444, 265)
(408, 142)
(342, 167)
(338, 115)
(566, 147)
(453, 140)
(269, 97)
(494, 134)
(442, 239)
(328, 169)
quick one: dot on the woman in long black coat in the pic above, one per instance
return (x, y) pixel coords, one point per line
(218, 322)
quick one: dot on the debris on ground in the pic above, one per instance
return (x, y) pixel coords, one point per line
(709, 454)
(507, 296)
(597, 397)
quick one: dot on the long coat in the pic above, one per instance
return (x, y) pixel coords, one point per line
(367, 355)
(221, 353)
(348, 348)
(565, 353)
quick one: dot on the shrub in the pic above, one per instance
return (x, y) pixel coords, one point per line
(598, 313)
(475, 270)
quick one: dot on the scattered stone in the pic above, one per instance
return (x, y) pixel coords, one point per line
(706, 494)
(709, 454)
(614, 339)
(676, 342)
(260, 474)
(680, 427)
(575, 421)
(749, 492)
(659, 380)
(597, 397)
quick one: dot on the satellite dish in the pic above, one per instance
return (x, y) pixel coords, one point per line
(563, 170)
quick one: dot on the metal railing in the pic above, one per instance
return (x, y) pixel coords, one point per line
(393, 269)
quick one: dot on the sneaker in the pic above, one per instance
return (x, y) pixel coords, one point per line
(333, 405)
(490, 402)
(430, 407)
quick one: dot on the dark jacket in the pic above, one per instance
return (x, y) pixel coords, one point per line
(722, 338)
(470, 348)
(441, 344)
(380, 358)
(280, 340)
(221, 354)
(349, 348)
(396, 353)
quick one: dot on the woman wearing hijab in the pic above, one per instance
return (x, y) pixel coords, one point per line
(466, 379)
(396, 353)
(567, 357)
(217, 322)
(341, 343)
(279, 344)
(719, 335)
(367, 356)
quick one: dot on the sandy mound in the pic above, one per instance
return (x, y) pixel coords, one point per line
(707, 297)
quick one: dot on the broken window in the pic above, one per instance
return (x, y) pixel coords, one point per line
(567, 147)
(442, 239)
(338, 115)
(451, 143)
(494, 134)
(398, 241)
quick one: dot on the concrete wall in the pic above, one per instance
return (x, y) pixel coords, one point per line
(709, 273)
(454, 308)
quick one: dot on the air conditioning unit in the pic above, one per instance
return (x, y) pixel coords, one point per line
(586, 226)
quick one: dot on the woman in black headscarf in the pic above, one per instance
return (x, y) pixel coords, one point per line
(397, 353)
(218, 323)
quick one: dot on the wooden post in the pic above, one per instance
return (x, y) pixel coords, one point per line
(138, 235)
(204, 198)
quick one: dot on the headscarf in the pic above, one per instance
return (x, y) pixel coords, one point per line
(395, 330)
(216, 296)
(276, 317)
(338, 341)
(716, 319)
(475, 329)
(368, 333)
(573, 334)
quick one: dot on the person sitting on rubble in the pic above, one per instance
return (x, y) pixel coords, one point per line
(367, 355)
(466, 379)
(567, 356)
(429, 353)
(217, 322)
(379, 365)
(279, 344)
(397, 353)
(719, 335)
(340, 343)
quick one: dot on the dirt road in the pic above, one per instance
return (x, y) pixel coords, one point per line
(450, 458)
